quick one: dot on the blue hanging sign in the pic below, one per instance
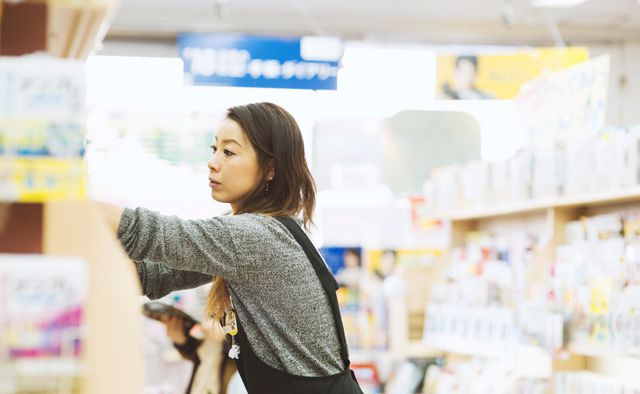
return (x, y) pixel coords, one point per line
(253, 61)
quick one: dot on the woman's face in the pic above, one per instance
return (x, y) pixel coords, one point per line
(465, 74)
(233, 168)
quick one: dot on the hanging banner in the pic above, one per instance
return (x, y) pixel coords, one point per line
(254, 61)
(499, 76)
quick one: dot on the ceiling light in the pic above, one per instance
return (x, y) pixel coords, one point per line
(556, 3)
(222, 8)
(325, 49)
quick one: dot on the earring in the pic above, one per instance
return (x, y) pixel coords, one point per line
(267, 188)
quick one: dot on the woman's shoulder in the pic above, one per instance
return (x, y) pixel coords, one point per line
(252, 223)
(258, 234)
(253, 218)
(245, 219)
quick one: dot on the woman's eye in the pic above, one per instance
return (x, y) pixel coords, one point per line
(227, 152)
(214, 148)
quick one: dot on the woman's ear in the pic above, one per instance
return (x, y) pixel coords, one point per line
(271, 169)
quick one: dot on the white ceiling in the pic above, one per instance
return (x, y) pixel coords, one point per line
(427, 21)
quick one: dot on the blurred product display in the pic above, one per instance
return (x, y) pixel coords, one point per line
(478, 189)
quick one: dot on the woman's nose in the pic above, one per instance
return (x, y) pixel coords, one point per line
(213, 163)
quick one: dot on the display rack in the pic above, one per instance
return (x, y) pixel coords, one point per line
(112, 359)
(63, 28)
(564, 202)
(550, 216)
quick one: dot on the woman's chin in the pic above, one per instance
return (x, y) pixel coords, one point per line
(216, 196)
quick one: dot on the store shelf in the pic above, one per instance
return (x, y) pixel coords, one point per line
(41, 367)
(413, 349)
(601, 351)
(418, 349)
(467, 347)
(534, 362)
(525, 207)
(357, 356)
(73, 28)
(63, 28)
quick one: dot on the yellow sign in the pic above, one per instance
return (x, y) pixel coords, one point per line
(41, 179)
(477, 77)
(384, 261)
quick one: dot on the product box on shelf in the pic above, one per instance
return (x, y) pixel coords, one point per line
(43, 321)
(595, 282)
(521, 175)
(575, 232)
(475, 184)
(612, 160)
(631, 225)
(580, 165)
(42, 137)
(605, 150)
(540, 326)
(42, 129)
(603, 227)
(608, 161)
(480, 331)
(499, 183)
(448, 193)
(480, 376)
(39, 179)
(548, 173)
(628, 170)
(584, 382)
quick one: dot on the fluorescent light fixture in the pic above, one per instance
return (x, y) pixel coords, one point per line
(556, 3)
(321, 48)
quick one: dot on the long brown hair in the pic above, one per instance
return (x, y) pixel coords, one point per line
(277, 141)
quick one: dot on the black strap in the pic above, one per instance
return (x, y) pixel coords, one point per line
(327, 280)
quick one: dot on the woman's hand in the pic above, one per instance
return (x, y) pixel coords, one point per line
(175, 330)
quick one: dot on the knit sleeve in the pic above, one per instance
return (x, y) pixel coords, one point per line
(203, 246)
(157, 280)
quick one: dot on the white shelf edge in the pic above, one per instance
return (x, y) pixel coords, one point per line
(601, 351)
(468, 347)
(418, 349)
(46, 366)
(615, 196)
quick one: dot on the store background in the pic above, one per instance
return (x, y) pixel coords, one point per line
(148, 146)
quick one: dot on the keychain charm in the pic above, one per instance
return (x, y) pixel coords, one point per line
(231, 327)
(230, 323)
(234, 352)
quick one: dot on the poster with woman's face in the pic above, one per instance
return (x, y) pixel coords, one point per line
(481, 76)
(340, 257)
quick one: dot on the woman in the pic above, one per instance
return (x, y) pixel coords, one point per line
(290, 334)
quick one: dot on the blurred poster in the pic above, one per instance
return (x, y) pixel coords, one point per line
(342, 260)
(565, 105)
(346, 265)
(384, 262)
(499, 76)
